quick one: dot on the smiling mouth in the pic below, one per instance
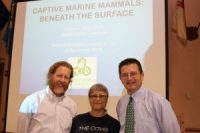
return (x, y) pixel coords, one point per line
(130, 83)
(59, 85)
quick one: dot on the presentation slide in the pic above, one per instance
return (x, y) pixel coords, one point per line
(94, 36)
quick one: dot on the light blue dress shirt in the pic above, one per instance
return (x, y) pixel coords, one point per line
(153, 113)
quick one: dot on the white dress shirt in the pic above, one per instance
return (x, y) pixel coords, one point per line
(153, 113)
(43, 112)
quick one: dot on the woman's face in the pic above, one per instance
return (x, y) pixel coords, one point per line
(98, 100)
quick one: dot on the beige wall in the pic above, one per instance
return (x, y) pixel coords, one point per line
(184, 68)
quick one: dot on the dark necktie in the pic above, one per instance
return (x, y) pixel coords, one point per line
(130, 121)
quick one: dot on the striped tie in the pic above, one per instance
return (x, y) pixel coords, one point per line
(129, 123)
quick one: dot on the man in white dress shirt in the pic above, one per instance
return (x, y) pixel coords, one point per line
(152, 112)
(49, 110)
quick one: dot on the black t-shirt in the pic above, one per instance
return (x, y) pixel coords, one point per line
(85, 123)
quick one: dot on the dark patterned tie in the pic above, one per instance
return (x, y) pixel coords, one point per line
(130, 121)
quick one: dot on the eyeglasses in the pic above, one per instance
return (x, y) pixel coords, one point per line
(126, 75)
(98, 96)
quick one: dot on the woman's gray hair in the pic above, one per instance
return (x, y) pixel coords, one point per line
(99, 87)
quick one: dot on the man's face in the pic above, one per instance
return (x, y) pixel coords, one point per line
(59, 81)
(131, 78)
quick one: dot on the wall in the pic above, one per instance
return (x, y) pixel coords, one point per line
(184, 64)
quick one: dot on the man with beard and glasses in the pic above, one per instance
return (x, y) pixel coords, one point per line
(49, 110)
(142, 110)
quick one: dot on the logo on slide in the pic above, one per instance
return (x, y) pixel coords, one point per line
(82, 68)
(85, 72)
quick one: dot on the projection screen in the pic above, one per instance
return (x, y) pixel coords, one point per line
(94, 36)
